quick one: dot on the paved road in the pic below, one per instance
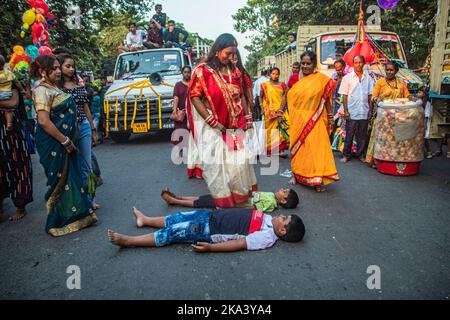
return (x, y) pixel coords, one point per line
(400, 224)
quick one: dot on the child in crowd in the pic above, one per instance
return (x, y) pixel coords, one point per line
(262, 201)
(7, 78)
(225, 230)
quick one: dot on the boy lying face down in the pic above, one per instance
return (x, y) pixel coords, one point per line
(225, 230)
(262, 201)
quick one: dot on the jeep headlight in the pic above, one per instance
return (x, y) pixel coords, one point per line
(112, 106)
(167, 104)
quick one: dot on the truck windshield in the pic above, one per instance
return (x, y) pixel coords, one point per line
(144, 63)
(340, 43)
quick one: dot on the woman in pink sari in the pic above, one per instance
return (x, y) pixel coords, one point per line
(218, 117)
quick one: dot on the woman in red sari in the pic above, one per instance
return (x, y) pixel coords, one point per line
(218, 117)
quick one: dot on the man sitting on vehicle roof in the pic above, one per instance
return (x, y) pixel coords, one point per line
(135, 39)
(172, 37)
(154, 36)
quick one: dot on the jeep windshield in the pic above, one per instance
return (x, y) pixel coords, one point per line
(340, 43)
(144, 63)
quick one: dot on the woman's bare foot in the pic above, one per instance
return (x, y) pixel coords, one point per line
(20, 213)
(167, 197)
(319, 189)
(293, 181)
(96, 206)
(140, 217)
(118, 239)
(10, 126)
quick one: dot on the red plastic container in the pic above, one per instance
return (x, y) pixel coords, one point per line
(398, 168)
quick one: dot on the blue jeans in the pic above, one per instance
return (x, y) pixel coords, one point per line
(184, 227)
(85, 149)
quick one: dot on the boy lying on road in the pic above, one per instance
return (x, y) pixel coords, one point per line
(261, 201)
(225, 230)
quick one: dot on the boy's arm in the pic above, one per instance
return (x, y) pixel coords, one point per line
(229, 246)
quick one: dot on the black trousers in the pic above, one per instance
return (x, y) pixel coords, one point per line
(257, 110)
(356, 129)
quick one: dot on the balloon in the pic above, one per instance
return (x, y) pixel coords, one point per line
(387, 4)
(22, 34)
(45, 51)
(367, 52)
(32, 51)
(19, 50)
(29, 17)
(22, 66)
(26, 26)
(352, 53)
(37, 29)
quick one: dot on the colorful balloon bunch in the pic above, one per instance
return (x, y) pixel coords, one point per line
(38, 19)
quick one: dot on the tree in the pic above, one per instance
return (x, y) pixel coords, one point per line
(86, 42)
(272, 20)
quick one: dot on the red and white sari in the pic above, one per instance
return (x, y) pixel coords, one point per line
(222, 160)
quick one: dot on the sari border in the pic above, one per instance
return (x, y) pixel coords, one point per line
(315, 181)
(195, 172)
(74, 226)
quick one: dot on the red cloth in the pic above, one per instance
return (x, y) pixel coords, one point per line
(224, 99)
(293, 80)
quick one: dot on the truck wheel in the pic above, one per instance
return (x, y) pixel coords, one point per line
(119, 137)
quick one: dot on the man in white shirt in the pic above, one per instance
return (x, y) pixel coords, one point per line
(356, 88)
(257, 93)
(134, 40)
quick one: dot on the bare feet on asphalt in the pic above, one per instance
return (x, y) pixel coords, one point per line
(139, 217)
(117, 239)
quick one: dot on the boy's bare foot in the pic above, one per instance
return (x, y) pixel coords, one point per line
(139, 217)
(20, 213)
(167, 197)
(117, 239)
(319, 189)
(293, 181)
(167, 190)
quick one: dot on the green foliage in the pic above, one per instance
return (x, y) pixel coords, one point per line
(103, 23)
(272, 20)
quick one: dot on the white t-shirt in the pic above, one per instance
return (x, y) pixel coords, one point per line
(259, 240)
(136, 40)
(263, 239)
(257, 86)
(358, 94)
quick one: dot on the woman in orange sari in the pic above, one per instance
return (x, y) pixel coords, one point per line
(218, 117)
(311, 118)
(389, 87)
(272, 93)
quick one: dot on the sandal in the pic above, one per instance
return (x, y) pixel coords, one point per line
(319, 189)
(429, 155)
(448, 155)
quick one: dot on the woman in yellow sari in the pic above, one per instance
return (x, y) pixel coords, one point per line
(272, 93)
(311, 118)
(386, 88)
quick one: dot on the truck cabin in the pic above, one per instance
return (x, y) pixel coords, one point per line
(331, 46)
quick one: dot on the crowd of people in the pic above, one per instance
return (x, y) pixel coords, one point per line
(57, 113)
(305, 119)
(160, 34)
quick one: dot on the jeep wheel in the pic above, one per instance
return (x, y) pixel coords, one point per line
(119, 137)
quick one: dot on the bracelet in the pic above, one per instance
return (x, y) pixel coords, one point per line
(66, 143)
(212, 121)
(248, 118)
